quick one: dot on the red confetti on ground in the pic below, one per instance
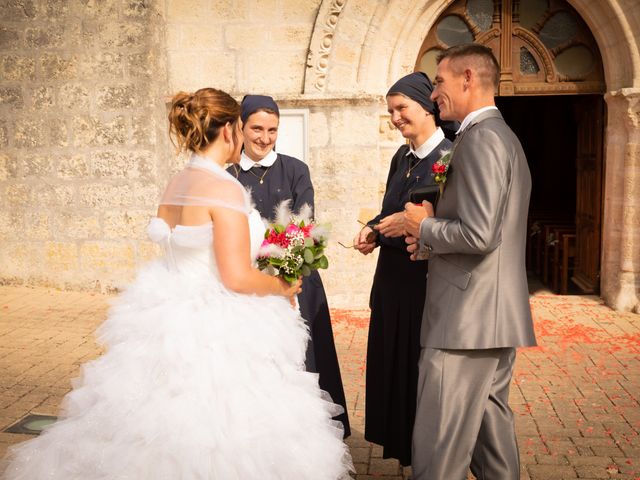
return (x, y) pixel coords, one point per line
(567, 333)
(353, 318)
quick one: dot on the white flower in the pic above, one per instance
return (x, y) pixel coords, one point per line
(271, 250)
(305, 214)
(319, 232)
(283, 213)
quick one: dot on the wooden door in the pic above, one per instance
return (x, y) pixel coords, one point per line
(590, 121)
(543, 46)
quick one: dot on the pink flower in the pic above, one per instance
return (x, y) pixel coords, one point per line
(292, 228)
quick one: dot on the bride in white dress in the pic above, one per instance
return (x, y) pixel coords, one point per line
(204, 373)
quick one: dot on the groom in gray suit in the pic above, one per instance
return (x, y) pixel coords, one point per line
(477, 306)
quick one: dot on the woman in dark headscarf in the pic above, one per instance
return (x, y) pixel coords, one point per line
(399, 284)
(272, 178)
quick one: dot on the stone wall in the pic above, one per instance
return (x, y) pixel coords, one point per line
(84, 142)
(83, 134)
(262, 48)
(82, 87)
(239, 46)
(351, 145)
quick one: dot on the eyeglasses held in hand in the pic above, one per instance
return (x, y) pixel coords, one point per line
(371, 236)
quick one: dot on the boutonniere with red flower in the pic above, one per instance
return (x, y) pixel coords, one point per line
(440, 168)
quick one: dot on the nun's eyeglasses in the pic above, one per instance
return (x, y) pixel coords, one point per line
(353, 246)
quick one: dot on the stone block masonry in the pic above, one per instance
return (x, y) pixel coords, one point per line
(84, 86)
(83, 89)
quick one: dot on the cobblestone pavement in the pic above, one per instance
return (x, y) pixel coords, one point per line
(575, 396)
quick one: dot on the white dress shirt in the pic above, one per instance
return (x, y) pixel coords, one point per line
(469, 118)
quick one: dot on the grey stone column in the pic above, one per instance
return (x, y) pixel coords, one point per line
(620, 282)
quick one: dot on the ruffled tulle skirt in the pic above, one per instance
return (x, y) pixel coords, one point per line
(197, 383)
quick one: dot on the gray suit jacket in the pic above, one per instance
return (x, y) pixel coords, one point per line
(477, 294)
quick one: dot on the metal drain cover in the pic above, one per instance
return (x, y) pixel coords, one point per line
(32, 424)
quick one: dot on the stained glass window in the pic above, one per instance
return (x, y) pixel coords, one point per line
(531, 12)
(543, 46)
(481, 12)
(558, 29)
(528, 64)
(428, 63)
(453, 31)
(575, 61)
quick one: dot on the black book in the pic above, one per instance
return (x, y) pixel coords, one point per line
(428, 193)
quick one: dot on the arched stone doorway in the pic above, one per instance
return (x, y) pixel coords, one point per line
(551, 93)
(358, 48)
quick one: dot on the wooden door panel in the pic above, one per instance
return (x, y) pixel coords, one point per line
(590, 121)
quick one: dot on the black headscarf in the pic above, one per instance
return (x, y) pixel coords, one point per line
(418, 87)
(252, 103)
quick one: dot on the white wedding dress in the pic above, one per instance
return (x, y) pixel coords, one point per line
(198, 382)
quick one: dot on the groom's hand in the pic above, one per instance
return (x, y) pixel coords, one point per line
(413, 216)
(412, 246)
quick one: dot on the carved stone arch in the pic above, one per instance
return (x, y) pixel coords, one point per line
(395, 30)
(393, 33)
(406, 48)
(391, 49)
(322, 40)
(612, 30)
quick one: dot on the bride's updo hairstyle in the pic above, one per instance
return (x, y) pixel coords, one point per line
(195, 119)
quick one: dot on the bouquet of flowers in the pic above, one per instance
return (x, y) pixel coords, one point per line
(293, 245)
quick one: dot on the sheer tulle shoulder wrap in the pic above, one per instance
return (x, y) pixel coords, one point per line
(202, 183)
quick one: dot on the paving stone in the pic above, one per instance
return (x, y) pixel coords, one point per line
(360, 454)
(551, 472)
(629, 466)
(591, 460)
(596, 471)
(552, 459)
(605, 451)
(361, 468)
(379, 466)
(377, 451)
(575, 397)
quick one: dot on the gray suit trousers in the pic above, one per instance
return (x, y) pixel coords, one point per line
(463, 419)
